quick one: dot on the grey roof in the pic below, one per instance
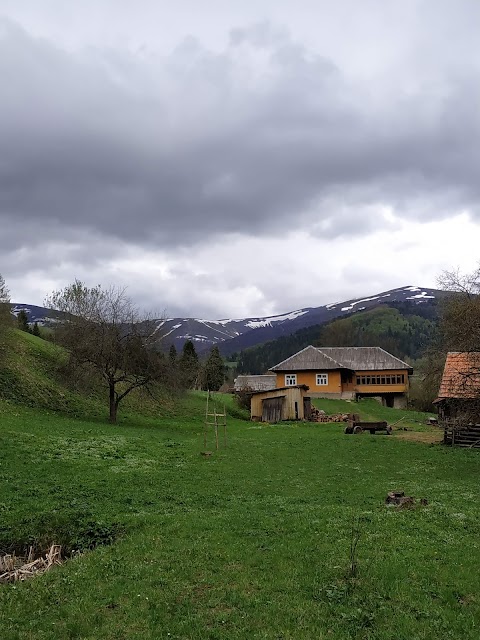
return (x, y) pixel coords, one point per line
(305, 387)
(257, 383)
(353, 358)
(365, 358)
(309, 358)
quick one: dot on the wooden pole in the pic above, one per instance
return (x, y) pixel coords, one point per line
(206, 425)
(225, 426)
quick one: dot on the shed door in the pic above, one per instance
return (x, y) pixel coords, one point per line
(307, 408)
(272, 410)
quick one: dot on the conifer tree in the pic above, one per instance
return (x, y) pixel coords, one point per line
(214, 371)
(172, 354)
(22, 320)
(189, 365)
(36, 330)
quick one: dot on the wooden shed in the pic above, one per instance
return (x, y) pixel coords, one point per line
(458, 399)
(285, 403)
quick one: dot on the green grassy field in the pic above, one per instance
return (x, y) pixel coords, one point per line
(252, 542)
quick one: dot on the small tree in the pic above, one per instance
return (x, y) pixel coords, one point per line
(36, 330)
(102, 329)
(214, 371)
(22, 321)
(5, 313)
(172, 355)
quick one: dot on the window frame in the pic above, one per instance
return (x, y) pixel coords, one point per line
(321, 376)
(290, 379)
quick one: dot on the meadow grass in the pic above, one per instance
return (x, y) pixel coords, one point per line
(252, 542)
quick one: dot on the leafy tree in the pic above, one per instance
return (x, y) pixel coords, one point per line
(103, 330)
(213, 375)
(22, 321)
(189, 365)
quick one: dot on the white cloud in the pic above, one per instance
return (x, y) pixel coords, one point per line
(239, 276)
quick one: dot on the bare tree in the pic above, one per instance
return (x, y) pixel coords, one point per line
(460, 320)
(460, 332)
(103, 329)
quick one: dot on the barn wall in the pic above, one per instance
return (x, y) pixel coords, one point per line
(288, 412)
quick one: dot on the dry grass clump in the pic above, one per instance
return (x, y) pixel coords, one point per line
(14, 568)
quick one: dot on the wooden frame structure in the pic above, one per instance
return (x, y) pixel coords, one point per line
(216, 420)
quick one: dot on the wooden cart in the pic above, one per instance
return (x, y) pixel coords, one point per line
(373, 427)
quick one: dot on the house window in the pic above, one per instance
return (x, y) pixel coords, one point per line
(290, 379)
(322, 379)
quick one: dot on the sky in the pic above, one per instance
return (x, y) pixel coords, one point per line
(228, 159)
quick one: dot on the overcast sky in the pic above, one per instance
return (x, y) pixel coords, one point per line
(228, 159)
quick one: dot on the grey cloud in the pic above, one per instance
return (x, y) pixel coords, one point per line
(167, 150)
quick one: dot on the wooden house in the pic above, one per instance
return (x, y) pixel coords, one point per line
(285, 403)
(459, 393)
(347, 373)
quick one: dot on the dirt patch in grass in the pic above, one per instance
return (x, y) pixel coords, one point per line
(427, 437)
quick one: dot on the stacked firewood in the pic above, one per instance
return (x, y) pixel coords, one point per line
(14, 568)
(318, 415)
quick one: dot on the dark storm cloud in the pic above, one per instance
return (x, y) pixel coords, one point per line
(167, 150)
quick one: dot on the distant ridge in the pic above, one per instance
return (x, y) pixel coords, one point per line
(236, 334)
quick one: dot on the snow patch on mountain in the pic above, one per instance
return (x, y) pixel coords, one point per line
(423, 294)
(267, 322)
(350, 306)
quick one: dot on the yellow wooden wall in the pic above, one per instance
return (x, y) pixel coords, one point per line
(335, 382)
(310, 379)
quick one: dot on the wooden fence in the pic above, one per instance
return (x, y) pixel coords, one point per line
(462, 435)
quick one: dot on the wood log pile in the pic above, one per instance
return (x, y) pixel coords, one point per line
(15, 568)
(317, 415)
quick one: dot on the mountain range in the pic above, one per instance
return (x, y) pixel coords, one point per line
(232, 335)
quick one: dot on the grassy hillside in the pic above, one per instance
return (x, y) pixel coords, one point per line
(398, 330)
(30, 375)
(33, 373)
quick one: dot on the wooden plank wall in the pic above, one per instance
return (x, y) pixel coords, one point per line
(291, 396)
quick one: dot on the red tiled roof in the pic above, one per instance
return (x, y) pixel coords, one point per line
(461, 376)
